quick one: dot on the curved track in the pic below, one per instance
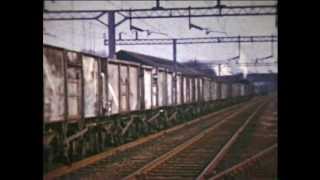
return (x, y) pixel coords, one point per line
(253, 149)
(124, 162)
(189, 159)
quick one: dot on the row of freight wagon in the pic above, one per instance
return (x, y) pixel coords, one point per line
(79, 86)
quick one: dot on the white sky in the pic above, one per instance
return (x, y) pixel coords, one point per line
(88, 35)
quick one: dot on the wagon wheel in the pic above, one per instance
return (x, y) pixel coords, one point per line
(99, 139)
(103, 136)
(116, 130)
(65, 147)
(81, 124)
(48, 152)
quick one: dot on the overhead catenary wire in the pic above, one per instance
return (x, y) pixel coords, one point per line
(164, 49)
(93, 31)
(66, 31)
(140, 20)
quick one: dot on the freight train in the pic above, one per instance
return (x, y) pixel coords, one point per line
(92, 103)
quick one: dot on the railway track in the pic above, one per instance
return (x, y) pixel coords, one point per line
(260, 138)
(248, 168)
(124, 161)
(188, 160)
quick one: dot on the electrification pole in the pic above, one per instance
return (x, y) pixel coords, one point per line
(218, 3)
(111, 34)
(158, 4)
(239, 46)
(174, 43)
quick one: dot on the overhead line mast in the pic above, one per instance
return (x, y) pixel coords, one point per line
(156, 12)
(159, 12)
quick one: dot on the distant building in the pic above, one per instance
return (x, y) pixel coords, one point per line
(264, 83)
(202, 67)
(234, 85)
(160, 62)
(231, 78)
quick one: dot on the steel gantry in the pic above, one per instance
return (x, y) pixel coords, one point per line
(196, 40)
(207, 40)
(183, 12)
(156, 12)
(218, 10)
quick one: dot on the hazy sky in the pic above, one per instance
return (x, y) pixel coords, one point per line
(88, 35)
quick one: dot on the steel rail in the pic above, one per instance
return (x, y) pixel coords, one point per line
(93, 159)
(240, 166)
(214, 163)
(163, 158)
